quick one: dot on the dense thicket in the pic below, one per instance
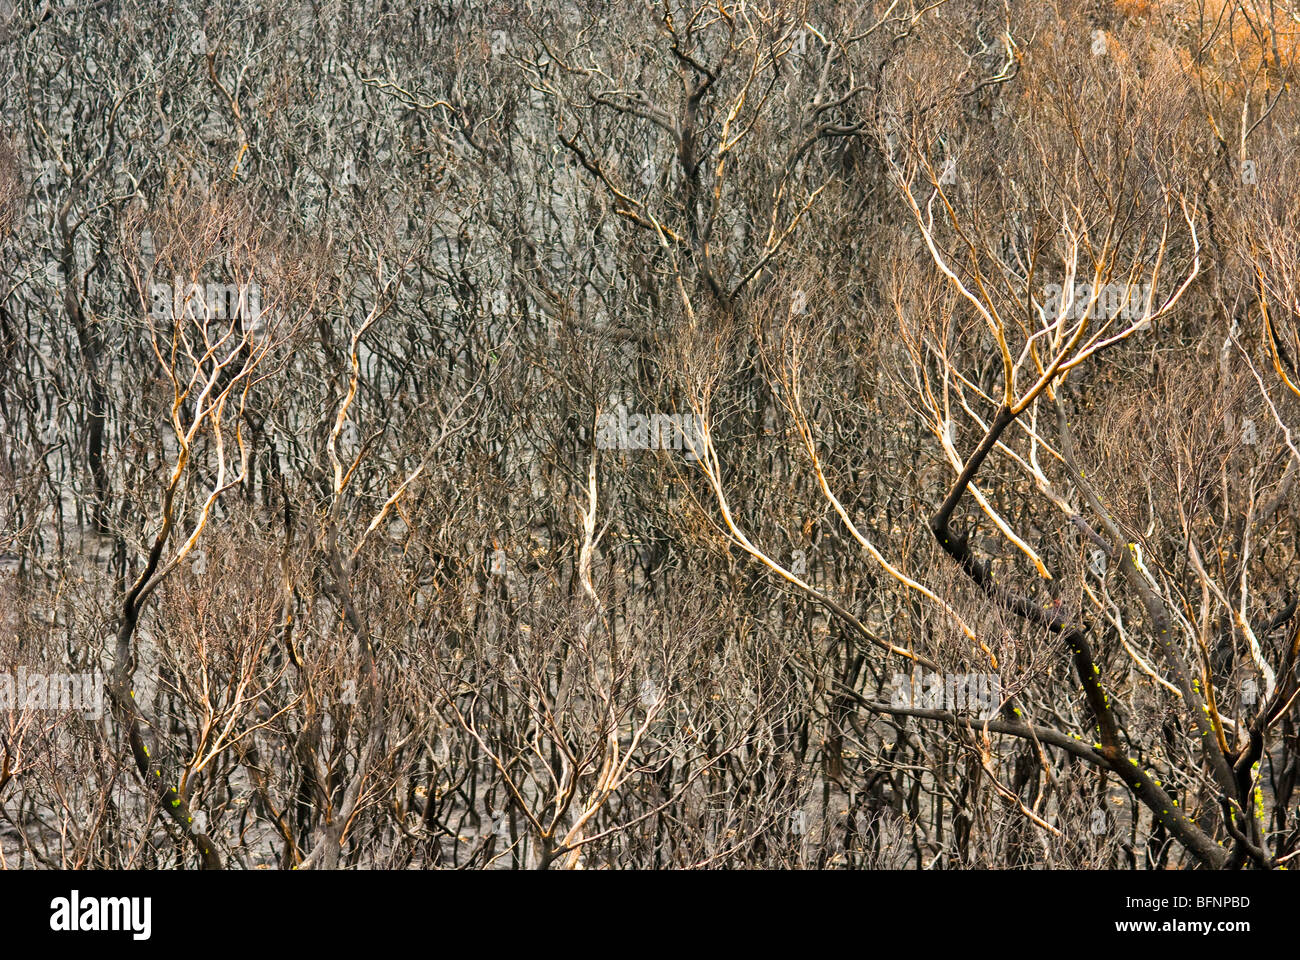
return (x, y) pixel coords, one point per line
(590, 435)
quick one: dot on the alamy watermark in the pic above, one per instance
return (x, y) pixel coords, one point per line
(52, 692)
(75, 913)
(1121, 300)
(979, 693)
(620, 430)
(212, 301)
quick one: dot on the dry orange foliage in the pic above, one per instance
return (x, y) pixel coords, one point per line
(1244, 42)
